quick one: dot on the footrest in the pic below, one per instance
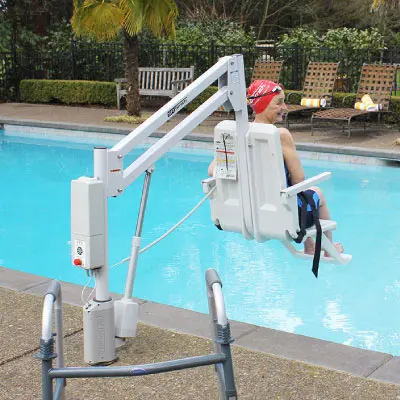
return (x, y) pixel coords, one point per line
(326, 225)
(344, 258)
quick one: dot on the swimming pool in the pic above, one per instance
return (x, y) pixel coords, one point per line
(356, 304)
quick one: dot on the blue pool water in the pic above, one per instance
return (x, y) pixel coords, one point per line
(357, 304)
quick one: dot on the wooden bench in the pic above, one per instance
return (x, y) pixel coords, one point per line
(158, 82)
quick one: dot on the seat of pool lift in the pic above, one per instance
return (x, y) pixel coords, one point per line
(273, 205)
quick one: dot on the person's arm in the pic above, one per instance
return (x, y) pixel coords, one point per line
(291, 157)
(211, 168)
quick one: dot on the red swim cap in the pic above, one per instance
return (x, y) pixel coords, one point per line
(260, 94)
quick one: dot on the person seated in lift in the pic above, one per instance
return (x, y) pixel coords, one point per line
(267, 99)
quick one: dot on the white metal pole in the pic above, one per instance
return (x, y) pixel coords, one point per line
(60, 337)
(136, 240)
(101, 274)
(98, 313)
(236, 81)
(219, 304)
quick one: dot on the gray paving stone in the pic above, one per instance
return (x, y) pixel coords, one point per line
(240, 329)
(71, 293)
(175, 319)
(186, 321)
(319, 352)
(360, 151)
(19, 281)
(389, 371)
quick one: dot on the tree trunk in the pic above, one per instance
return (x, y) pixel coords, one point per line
(40, 18)
(131, 52)
(263, 19)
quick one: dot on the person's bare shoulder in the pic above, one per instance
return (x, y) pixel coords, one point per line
(286, 136)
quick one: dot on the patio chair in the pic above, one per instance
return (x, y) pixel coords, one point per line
(318, 84)
(268, 70)
(376, 81)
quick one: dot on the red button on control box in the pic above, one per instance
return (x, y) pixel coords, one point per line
(77, 261)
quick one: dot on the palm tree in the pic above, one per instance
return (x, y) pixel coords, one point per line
(105, 19)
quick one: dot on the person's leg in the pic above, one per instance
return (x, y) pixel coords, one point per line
(309, 245)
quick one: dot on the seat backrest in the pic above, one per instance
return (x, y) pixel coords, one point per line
(272, 216)
(377, 81)
(268, 70)
(162, 79)
(320, 80)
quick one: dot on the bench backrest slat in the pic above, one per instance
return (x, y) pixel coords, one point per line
(159, 81)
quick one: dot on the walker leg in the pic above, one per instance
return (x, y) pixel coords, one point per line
(221, 336)
(229, 379)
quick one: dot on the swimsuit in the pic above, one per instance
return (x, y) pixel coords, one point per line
(310, 194)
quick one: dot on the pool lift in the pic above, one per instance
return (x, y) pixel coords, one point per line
(238, 204)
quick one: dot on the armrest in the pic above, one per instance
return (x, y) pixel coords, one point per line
(120, 80)
(289, 95)
(345, 97)
(208, 184)
(299, 187)
(181, 81)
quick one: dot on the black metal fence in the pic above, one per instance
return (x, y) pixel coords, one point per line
(105, 62)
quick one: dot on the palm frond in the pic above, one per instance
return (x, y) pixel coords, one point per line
(160, 17)
(133, 15)
(97, 18)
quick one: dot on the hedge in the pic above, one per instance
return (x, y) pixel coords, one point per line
(68, 92)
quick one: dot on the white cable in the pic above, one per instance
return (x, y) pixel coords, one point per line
(84, 288)
(170, 230)
(179, 222)
(90, 294)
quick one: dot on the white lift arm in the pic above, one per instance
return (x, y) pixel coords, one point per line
(229, 71)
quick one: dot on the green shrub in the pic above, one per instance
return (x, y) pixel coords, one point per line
(128, 119)
(201, 98)
(222, 32)
(349, 100)
(68, 92)
(340, 38)
(395, 103)
(292, 96)
(352, 38)
(300, 37)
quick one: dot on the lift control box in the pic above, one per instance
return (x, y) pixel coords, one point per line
(87, 222)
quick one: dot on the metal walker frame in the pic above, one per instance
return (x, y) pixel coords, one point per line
(221, 358)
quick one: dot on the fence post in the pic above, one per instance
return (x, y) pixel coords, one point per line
(212, 53)
(73, 58)
(16, 73)
(295, 71)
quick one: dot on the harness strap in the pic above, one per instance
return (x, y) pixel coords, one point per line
(302, 222)
(302, 219)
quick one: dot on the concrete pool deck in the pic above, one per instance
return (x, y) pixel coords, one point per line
(377, 142)
(269, 364)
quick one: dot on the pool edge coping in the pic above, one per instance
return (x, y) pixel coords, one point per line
(205, 137)
(355, 361)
